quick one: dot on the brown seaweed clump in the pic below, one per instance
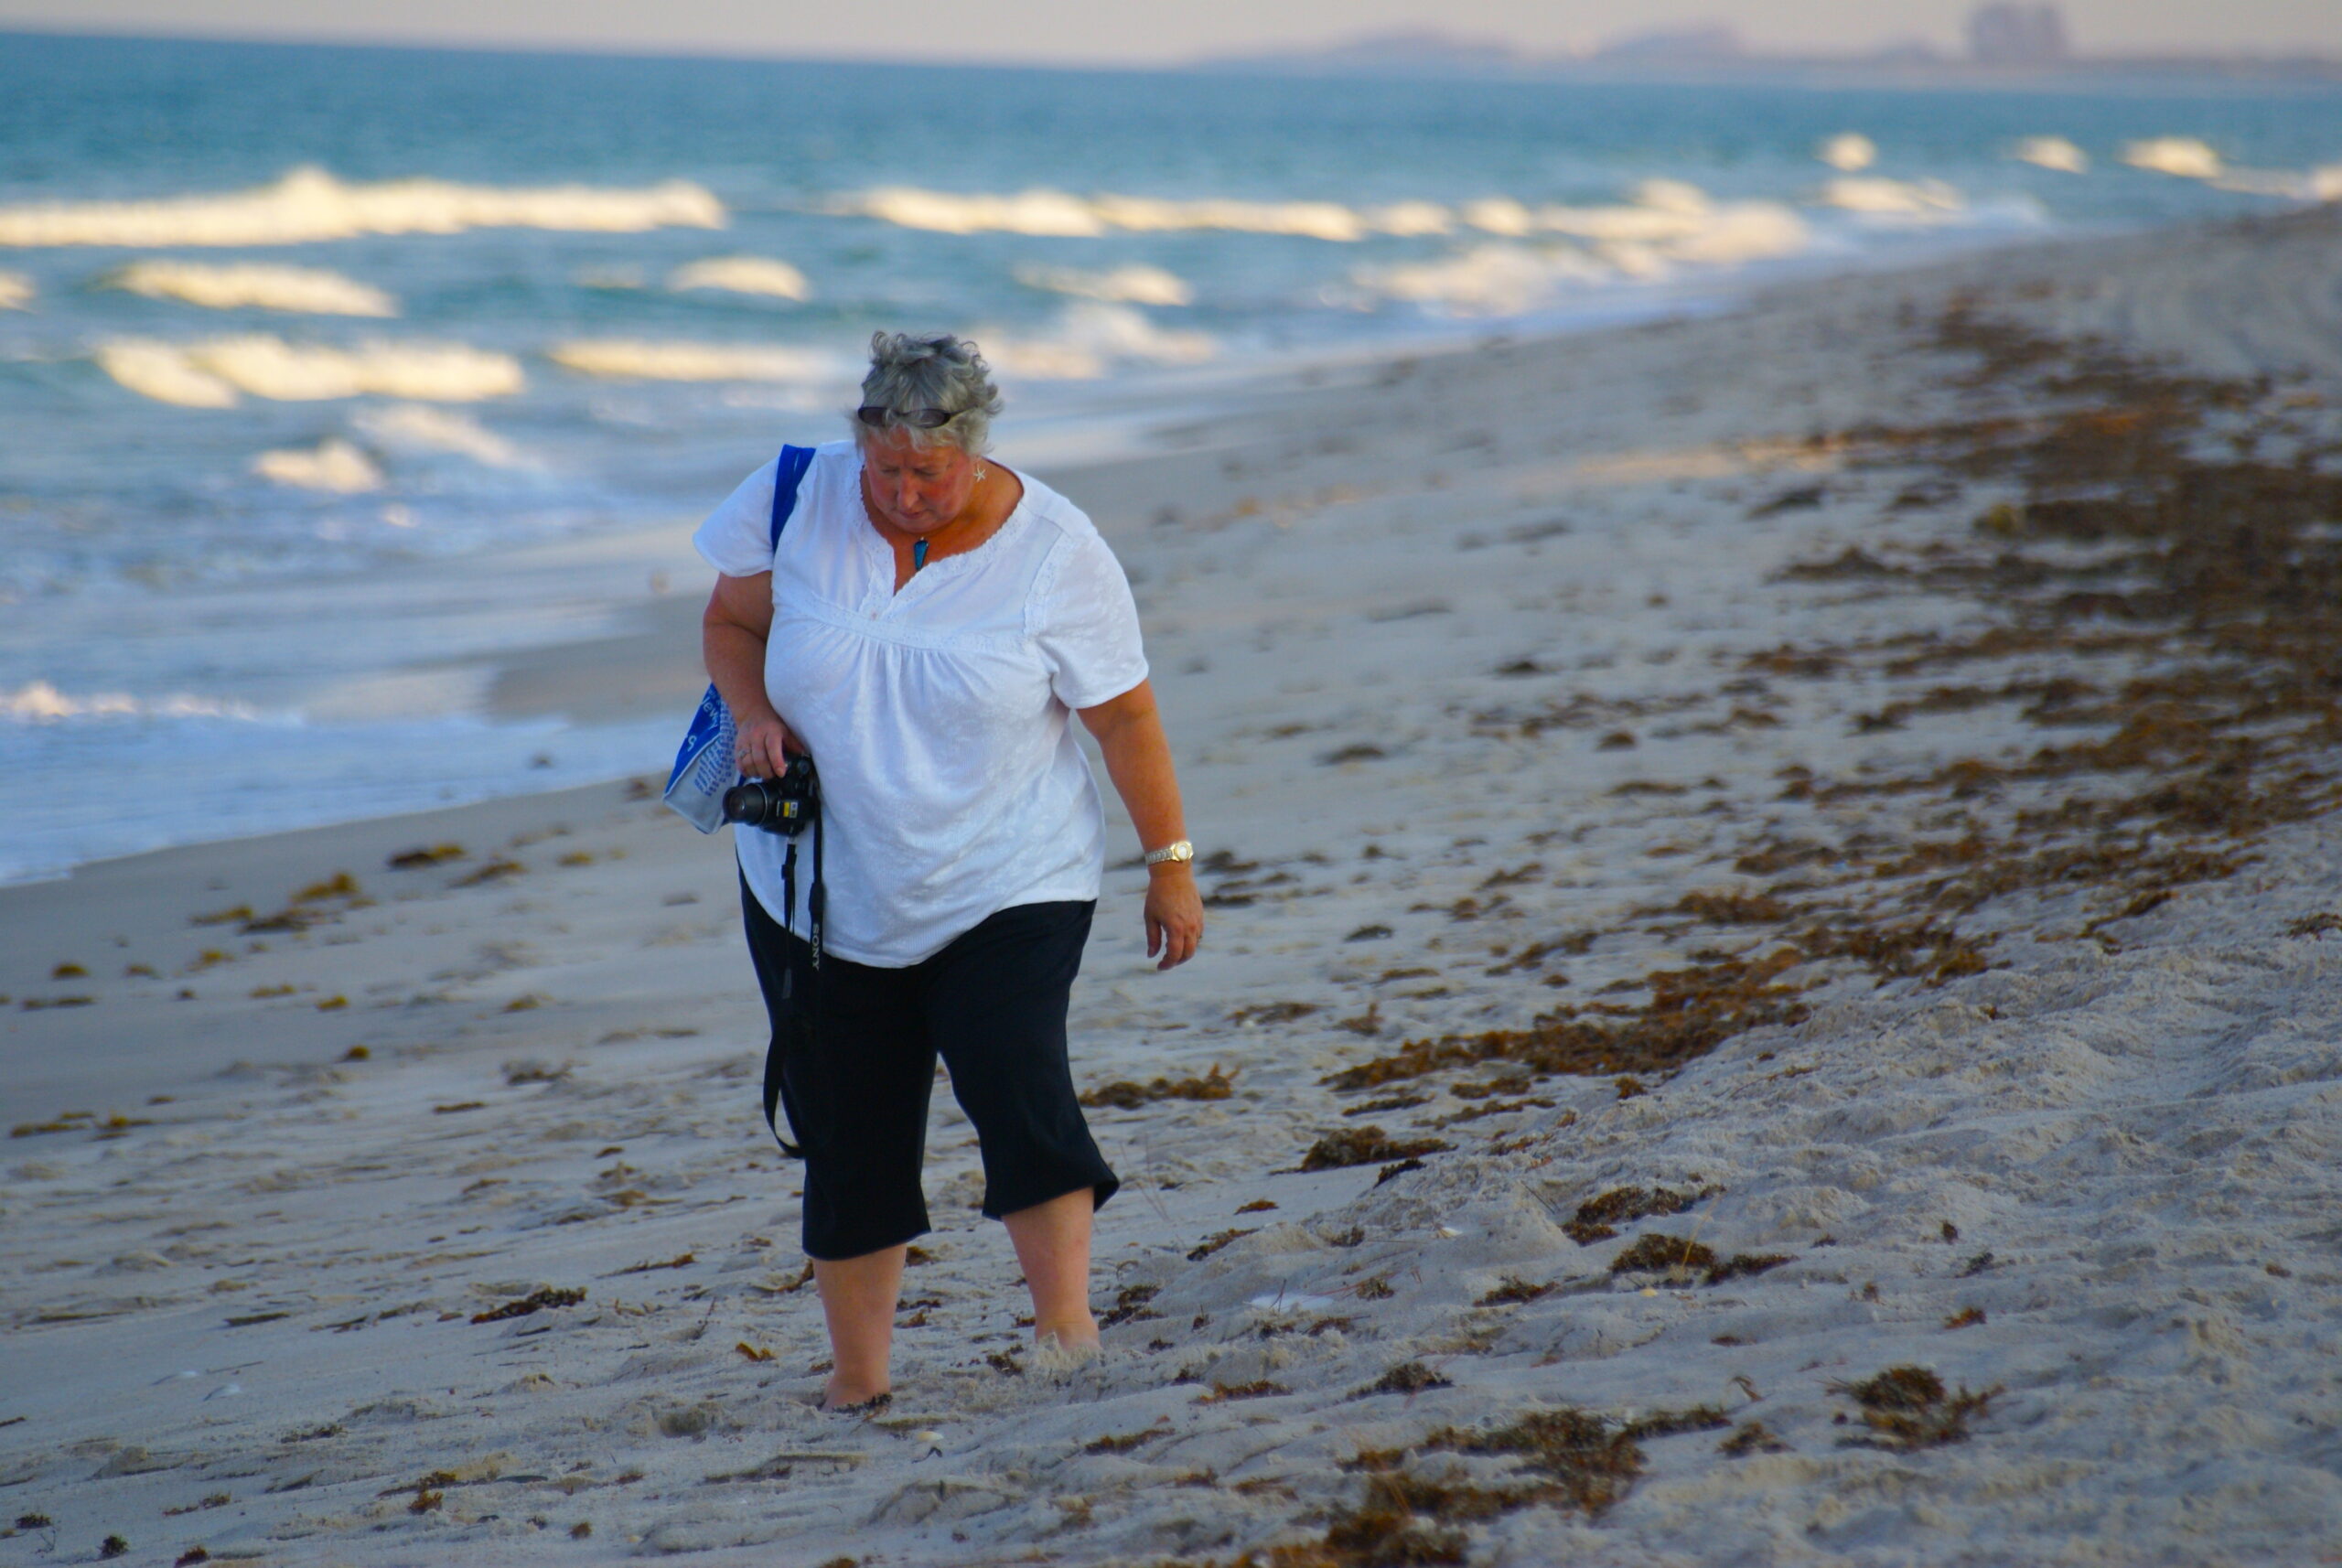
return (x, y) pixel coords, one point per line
(1675, 1256)
(1584, 1461)
(1125, 1095)
(1366, 1146)
(535, 1301)
(1908, 1408)
(1567, 1460)
(1690, 1012)
(1597, 1218)
(1513, 1290)
(1406, 1377)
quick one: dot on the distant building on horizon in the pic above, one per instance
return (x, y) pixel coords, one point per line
(2007, 33)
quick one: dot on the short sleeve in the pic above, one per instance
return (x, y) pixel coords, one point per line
(736, 538)
(1087, 625)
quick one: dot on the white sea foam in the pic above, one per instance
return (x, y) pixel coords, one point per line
(39, 702)
(2051, 153)
(165, 373)
(2182, 156)
(635, 358)
(743, 274)
(2312, 185)
(333, 466)
(1494, 278)
(1059, 214)
(416, 427)
(211, 374)
(1885, 198)
(16, 291)
(1667, 226)
(249, 284)
(1849, 152)
(1309, 219)
(1133, 284)
(310, 204)
(1089, 340)
(1411, 217)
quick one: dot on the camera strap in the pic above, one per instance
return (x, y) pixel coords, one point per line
(816, 896)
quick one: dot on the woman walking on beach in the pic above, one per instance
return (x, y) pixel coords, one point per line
(925, 627)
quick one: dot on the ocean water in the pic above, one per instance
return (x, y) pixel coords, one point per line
(302, 349)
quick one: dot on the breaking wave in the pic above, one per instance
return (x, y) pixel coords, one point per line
(2319, 185)
(2051, 153)
(1668, 227)
(1662, 211)
(1850, 152)
(1135, 285)
(2184, 156)
(420, 427)
(743, 274)
(214, 374)
(309, 204)
(1089, 340)
(333, 466)
(637, 359)
(39, 702)
(250, 283)
(1057, 213)
(16, 291)
(1495, 278)
(1882, 197)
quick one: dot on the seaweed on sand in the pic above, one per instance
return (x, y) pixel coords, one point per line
(1690, 1010)
(1676, 1257)
(537, 1301)
(1406, 1377)
(1125, 1095)
(1130, 1305)
(1597, 1218)
(2171, 613)
(1366, 1146)
(1566, 1458)
(1513, 1290)
(1908, 1408)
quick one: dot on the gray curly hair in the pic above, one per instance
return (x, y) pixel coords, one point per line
(914, 370)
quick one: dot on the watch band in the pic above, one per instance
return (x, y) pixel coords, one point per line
(1179, 850)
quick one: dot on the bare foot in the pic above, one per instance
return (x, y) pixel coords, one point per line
(1064, 1344)
(836, 1401)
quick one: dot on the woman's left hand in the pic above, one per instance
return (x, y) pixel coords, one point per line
(1174, 914)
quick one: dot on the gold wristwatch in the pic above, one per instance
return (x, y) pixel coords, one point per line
(1180, 851)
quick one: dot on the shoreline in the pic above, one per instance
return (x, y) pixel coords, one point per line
(1726, 883)
(645, 668)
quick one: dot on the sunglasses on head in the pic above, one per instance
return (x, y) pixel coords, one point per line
(879, 417)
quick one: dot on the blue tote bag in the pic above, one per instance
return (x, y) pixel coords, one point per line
(706, 765)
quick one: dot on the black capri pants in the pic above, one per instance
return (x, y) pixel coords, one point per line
(853, 1077)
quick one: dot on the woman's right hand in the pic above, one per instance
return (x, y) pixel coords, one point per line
(761, 746)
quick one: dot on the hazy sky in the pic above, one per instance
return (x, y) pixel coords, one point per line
(1165, 31)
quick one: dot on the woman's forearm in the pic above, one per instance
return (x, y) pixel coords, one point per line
(736, 662)
(1130, 737)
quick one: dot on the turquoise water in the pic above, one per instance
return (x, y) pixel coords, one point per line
(246, 347)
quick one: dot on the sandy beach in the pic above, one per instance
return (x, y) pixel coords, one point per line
(1769, 1001)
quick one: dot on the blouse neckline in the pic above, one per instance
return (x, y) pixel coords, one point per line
(882, 556)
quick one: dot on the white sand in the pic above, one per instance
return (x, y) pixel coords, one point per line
(260, 1291)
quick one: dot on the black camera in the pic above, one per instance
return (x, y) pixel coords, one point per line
(782, 805)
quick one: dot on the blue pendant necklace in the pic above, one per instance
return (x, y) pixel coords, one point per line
(918, 554)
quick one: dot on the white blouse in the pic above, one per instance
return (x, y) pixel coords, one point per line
(939, 717)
